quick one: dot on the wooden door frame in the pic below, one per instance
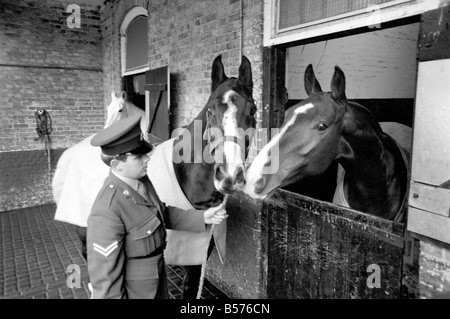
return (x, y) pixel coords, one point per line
(159, 89)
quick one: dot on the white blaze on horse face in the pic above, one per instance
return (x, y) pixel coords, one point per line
(232, 151)
(258, 166)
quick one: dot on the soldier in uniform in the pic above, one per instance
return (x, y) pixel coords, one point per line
(126, 233)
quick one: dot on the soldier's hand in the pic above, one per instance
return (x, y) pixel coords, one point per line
(215, 215)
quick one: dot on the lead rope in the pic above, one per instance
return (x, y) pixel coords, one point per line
(205, 256)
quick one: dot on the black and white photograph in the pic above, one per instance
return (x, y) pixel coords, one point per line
(232, 156)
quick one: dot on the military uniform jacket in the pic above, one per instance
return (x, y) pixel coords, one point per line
(125, 239)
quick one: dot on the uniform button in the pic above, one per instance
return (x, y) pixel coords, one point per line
(149, 232)
(111, 186)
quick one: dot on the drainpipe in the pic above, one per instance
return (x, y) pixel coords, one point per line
(241, 40)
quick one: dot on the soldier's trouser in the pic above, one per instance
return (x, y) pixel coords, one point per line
(192, 277)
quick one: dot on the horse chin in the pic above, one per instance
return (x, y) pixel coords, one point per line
(226, 191)
(264, 194)
(215, 199)
(223, 190)
(269, 194)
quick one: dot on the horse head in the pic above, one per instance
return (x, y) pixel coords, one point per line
(121, 108)
(114, 109)
(325, 128)
(308, 140)
(229, 115)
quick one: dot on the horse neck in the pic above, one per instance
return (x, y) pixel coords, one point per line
(131, 109)
(371, 166)
(196, 178)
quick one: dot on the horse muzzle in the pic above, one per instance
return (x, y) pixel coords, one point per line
(226, 182)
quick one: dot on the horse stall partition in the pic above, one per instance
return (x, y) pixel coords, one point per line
(318, 250)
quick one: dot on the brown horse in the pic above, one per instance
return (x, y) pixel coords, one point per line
(205, 161)
(230, 109)
(324, 128)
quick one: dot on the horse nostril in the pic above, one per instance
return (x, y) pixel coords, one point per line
(259, 185)
(220, 173)
(240, 176)
(226, 185)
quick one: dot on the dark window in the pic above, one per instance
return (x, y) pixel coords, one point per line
(137, 46)
(134, 86)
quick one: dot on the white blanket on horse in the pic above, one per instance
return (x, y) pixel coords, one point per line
(79, 176)
(401, 134)
(162, 175)
(81, 173)
(183, 247)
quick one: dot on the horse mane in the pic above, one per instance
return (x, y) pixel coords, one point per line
(369, 118)
(131, 109)
(120, 108)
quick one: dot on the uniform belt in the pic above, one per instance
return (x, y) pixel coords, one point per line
(156, 252)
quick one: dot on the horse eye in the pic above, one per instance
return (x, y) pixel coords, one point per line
(322, 126)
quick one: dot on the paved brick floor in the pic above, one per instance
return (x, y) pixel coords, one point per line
(36, 253)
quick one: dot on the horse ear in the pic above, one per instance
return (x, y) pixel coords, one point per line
(113, 96)
(245, 73)
(208, 125)
(311, 83)
(338, 84)
(124, 95)
(217, 73)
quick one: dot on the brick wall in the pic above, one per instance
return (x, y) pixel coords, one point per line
(188, 37)
(44, 63)
(24, 178)
(434, 274)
